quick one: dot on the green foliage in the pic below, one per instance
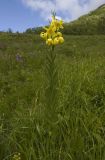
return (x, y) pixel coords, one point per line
(36, 30)
(90, 24)
(52, 85)
(77, 130)
(101, 25)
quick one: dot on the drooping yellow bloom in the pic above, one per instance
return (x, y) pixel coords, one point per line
(49, 41)
(56, 41)
(52, 35)
(59, 34)
(61, 39)
(16, 156)
(43, 35)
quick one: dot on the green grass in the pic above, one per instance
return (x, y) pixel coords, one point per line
(77, 130)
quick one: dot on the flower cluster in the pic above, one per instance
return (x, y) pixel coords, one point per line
(16, 156)
(53, 36)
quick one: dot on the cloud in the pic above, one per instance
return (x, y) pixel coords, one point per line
(68, 9)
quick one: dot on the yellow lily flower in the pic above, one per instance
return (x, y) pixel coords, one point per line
(49, 41)
(52, 34)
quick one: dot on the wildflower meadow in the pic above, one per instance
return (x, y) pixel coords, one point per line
(52, 95)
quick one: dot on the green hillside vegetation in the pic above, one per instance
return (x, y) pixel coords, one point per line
(77, 130)
(90, 24)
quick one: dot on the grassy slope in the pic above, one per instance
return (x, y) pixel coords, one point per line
(91, 23)
(79, 131)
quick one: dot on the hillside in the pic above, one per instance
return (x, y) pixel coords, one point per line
(92, 23)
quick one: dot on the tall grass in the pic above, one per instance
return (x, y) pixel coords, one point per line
(77, 130)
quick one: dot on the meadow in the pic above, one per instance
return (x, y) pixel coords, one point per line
(76, 130)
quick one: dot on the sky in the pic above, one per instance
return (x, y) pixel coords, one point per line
(22, 14)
